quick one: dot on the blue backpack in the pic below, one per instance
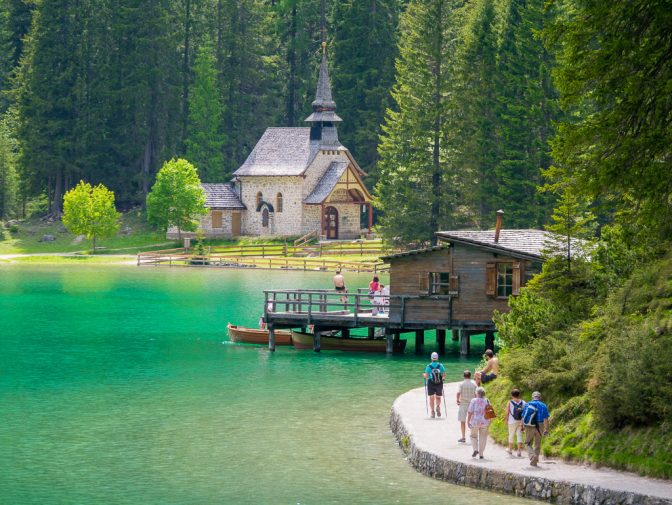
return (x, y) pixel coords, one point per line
(530, 415)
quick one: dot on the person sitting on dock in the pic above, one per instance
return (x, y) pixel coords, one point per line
(435, 373)
(466, 391)
(339, 285)
(491, 369)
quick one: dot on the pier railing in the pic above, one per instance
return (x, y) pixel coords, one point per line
(316, 305)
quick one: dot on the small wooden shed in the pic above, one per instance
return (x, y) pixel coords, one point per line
(479, 270)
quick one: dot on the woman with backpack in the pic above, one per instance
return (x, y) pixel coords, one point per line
(514, 419)
(479, 421)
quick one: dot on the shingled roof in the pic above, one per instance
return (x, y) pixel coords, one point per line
(327, 183)
(221, 196)
(280, 151)
(527, 243)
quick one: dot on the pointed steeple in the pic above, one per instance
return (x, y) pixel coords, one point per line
(324, 107)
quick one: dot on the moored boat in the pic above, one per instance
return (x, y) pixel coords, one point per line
(302, 340)
(257, 336)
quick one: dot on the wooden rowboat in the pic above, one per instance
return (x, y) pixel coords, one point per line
(256, 336)
(302, 340)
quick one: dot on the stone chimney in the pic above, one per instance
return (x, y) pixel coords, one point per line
(498, 224)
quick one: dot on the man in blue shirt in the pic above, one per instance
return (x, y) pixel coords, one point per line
(535, 420)
(435, 373)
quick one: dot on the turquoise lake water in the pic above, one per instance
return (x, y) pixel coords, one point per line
(118, 386)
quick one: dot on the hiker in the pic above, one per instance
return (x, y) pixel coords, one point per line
(435, 373)
(535, 421)
(491, 369)
(477, 422)
(514, 420)
(466, 391)
(339, 285)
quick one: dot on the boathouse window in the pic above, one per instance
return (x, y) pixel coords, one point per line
(260, 198)
(278, 202)
(264, 218)
(439, 283)
(504, 279)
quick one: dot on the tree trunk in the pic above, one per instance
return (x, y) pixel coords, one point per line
(436, 165)
(185, 68)
(291, 60)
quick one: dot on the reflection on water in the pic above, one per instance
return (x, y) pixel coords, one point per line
(118, 385)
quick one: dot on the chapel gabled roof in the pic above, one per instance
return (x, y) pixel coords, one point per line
(221, 196)
(327, 183)
(280, 151)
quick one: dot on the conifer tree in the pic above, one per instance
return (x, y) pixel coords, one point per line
(476, 111)
(527, 105)
(204, 138)
(418, 179)
(364, 51)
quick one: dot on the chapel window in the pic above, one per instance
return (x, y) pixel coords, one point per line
(278, 202)
(260, 198)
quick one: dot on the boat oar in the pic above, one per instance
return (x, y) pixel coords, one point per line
(426, 400)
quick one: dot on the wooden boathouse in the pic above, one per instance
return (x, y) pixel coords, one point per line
(456, 285)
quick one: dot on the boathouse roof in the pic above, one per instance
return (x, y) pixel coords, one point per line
(221, 196)
(327, 183)
(524, 243)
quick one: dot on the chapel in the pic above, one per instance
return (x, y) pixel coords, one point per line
(295, 181)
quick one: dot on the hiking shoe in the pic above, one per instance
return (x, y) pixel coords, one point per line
(509, 452)
(438, 412)
(474, 454)
(519, 455)
(462, 440)
(480, 457)
(432, 414)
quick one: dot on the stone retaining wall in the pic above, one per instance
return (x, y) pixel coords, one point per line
(560, 492)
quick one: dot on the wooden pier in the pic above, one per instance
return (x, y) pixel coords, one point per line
(329, 310)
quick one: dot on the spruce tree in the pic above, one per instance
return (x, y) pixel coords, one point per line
(364, 51)
(204, 138)
(418, 178)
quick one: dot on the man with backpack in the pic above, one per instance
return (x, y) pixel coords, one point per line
(434, 374)
(535, 420)
(514, 420)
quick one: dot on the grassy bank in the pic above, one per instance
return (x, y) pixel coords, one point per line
(599, 357)
(135, 235)
(580, 438)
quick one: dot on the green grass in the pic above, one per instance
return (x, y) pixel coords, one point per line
(27, 240)
(647, 451)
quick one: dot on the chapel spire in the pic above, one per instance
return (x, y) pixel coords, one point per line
(324, 107)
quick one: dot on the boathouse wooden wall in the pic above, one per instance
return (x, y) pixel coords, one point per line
(472, 307)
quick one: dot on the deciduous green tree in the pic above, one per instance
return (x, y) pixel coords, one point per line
(90, 211)
(176, 197)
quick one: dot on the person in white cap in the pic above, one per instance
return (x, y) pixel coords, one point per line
(435, 373)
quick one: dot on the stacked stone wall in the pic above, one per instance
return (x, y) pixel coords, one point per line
(538, 488)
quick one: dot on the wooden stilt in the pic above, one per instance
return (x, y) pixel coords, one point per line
(441, 340)
(464, 342)
(345, 332)
(316, 340)
(372, 332)
(419, 341)
(490, 339)
(271, 338)
(454, 335)
(389, 335)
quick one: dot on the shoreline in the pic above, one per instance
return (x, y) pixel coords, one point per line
(67, 259)
(431, 447)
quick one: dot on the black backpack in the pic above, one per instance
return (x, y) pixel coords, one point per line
(435, 376)
(517, 410)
